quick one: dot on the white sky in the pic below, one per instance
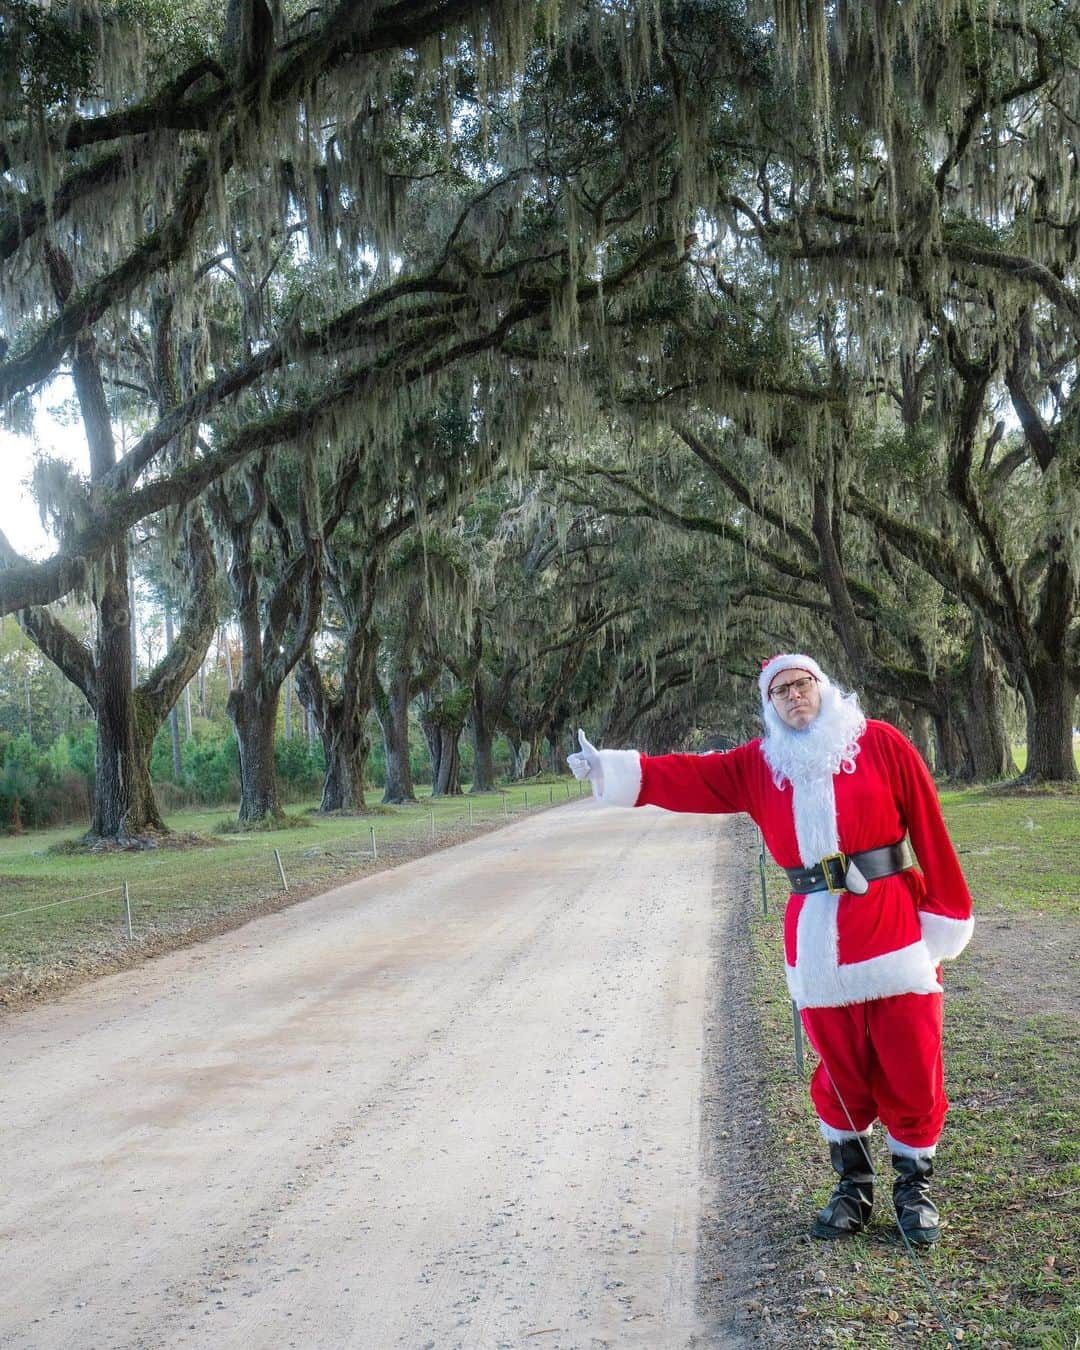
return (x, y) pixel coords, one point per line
(19, 518)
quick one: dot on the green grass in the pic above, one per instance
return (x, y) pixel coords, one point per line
(1008, 1167)
(1022, 851)
(209, 877)
(1019, 754)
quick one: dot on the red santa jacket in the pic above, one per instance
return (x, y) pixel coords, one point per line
(839, 948)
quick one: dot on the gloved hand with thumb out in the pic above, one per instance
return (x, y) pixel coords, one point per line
(587, 764)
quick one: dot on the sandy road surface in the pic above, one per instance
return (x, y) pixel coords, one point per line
(453, 1105)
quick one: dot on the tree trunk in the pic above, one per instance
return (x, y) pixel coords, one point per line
(448, 783)
(527, 763)
(174, 712)
(1050, 709)
(227, 650)
(557, 739)
(984, 724)
(132, 621)
(346, 746)
(394, 721)
(429, 726)
(483, 739)
(254, 718)
(921, 732)
(124, 804)
(952, 757)
(342, 720)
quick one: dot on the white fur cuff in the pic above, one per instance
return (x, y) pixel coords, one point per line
(910, 1150)
(945, 938)
(622, 777)
(832, 1135)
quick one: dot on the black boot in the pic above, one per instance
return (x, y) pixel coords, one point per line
(915, 1211)
(848, 1210)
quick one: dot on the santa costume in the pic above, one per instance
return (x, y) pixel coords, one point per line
(864, 931)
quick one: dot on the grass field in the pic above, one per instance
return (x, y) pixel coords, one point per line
(1008, 1168)
(204, 877)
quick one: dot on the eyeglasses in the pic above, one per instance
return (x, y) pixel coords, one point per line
(795, 687)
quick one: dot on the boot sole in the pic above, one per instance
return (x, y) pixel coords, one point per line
(922, 1239)
(827, 1233)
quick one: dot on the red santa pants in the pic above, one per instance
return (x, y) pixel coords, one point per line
(883, 1059)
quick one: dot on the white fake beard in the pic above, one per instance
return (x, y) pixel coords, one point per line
(808, 760)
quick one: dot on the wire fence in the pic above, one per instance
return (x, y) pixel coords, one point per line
(167, 898)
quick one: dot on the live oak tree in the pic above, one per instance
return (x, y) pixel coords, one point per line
(928, 203)
(803, 237)
(194, 146)
(127, 717)
(274, 570)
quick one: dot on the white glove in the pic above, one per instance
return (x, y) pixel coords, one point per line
(588, 764)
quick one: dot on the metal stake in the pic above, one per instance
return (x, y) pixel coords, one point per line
(433, 827)
(374, 850)
(284, 883)
(470, 813)
(761, 871)
(127, 910)
(526, 799)
(797, 1021)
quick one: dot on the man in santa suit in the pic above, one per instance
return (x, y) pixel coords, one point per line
(841, 802)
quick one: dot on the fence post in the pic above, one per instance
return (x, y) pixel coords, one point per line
(374, 850)
(127, 910)
(551, 796)
(526, 799)
(284, 883)
(797, 1020)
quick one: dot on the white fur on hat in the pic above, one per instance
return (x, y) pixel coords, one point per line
(788, 661)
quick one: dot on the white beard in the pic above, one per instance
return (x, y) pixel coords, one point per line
(808, 760)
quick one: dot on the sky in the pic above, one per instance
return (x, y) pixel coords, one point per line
(19, 518)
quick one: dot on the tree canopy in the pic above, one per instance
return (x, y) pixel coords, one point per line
(756, 324)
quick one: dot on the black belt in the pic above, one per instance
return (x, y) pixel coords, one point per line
(830, 874)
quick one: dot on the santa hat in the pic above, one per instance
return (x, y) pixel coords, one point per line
(788, 661)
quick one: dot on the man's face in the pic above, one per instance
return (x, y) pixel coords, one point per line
(796, 696)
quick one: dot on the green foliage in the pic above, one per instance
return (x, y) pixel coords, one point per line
(907, 451)
(39, 789)
(43, 60)
(301, 766)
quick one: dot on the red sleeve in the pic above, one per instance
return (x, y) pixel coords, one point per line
(712, 783)
(946, 890)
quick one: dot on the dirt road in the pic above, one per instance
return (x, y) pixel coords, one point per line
(457, 1104)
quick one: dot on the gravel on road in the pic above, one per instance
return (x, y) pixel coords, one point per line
(457, 1104)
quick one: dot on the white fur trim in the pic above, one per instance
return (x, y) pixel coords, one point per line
(814, 809)
(622, 777)
(832, 1135)
(788, 661)
(818, 980)
(910, 1150)
(945, 938)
